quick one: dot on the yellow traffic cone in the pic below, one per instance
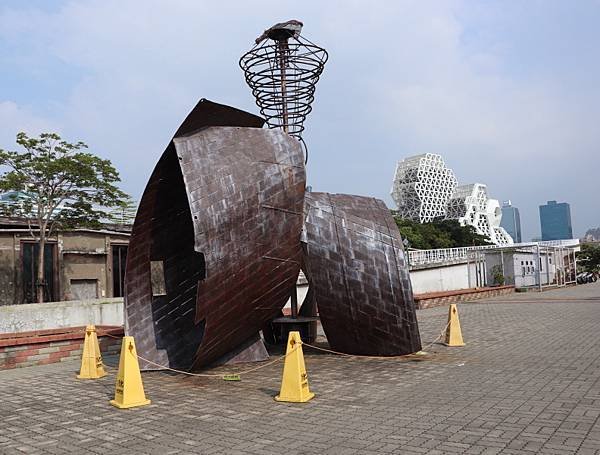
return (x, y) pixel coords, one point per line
(294, 384)
(129, 390)
(453, 332)
(91, 359)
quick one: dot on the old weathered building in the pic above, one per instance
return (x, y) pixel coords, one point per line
(79, 264)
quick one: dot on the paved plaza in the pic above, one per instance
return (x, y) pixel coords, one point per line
(528, 381)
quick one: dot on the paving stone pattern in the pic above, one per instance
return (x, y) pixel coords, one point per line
(528, 381)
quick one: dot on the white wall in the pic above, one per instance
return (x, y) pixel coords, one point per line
(521, 267)
(301, 291)
(57, 315)
(445, 278)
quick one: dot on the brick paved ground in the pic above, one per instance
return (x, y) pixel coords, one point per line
(528, 381)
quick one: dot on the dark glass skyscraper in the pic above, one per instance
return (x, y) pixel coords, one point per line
(511, 221)
(555, 219)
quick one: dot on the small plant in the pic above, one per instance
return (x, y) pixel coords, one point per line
(497, 275)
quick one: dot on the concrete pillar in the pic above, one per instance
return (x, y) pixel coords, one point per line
(574, 266)
(537, 267)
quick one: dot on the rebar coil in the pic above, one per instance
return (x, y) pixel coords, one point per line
(282, 76)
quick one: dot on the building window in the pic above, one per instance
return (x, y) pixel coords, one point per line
(119, 257)
(29, 251)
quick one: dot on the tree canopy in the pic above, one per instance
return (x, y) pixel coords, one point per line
(439, 234)
(588, 259)
(57, 184)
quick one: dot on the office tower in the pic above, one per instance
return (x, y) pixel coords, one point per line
(555, 220)
(511, 221)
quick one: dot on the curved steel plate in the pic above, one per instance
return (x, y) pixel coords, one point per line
(357, 270)
(246, 189)
(205, 233)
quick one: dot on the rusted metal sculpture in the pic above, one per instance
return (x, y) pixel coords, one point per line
(215, 247)
(282, 70)
(358, 275)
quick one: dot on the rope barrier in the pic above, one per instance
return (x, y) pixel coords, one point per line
(439, 337)
(106, 334)
(278, 359)
(390, 357)
(206, 375)
(219, 375)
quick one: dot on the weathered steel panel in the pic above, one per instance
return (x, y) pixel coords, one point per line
(221, 212)
(357, 271)
(163, 325)
(246, 190)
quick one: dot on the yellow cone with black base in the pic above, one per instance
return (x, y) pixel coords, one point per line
(453, 332)
(129, 390)
(91, 359)
(294, 384)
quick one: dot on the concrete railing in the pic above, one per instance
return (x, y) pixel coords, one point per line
(438, 256)
(57, 315)
(449, 255)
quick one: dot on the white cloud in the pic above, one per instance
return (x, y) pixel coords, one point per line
(403, 78)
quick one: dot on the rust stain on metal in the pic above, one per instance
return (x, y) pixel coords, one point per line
(201, 216)
(358, 275)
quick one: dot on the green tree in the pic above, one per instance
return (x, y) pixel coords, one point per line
(589, 257)
(439, 234)
(62, 187)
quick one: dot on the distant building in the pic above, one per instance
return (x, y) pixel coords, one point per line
(79, 264)
(422, 187)
(470, 205)
(511, 221)
(555, 220)
(592, 235)
(424, 190)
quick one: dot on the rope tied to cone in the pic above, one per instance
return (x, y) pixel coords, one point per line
(295, 345)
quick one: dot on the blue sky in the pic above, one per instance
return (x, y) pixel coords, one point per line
(506, 91)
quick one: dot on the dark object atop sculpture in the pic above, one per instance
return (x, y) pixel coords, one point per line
(281, 31)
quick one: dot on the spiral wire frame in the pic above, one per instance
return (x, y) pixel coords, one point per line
(282, 76)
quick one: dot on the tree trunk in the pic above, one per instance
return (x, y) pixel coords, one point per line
(40, 279)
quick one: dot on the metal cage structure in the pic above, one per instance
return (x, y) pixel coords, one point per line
(282, 70)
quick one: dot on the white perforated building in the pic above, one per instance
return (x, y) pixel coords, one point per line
(471, 205)
(422, 187)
